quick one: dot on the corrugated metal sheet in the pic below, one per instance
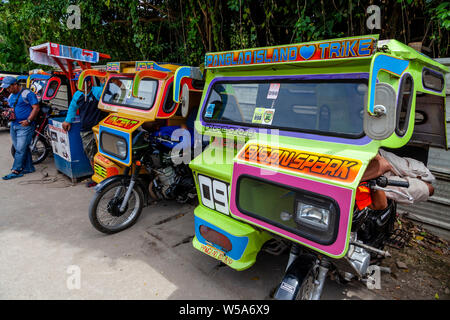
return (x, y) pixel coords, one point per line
(60, 101)
(435, 213)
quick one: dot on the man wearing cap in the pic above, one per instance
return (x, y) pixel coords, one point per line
(86, 102)
(26, 108)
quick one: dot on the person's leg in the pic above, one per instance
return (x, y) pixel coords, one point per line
(28, 166)
(23, 139)
(379, 200)
(13, 133)
(22, 157)
(89, 147)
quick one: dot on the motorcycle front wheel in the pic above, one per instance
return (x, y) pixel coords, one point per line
(308, 287)
(104, 211)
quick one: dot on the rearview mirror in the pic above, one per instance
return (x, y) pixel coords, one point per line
(381, 124)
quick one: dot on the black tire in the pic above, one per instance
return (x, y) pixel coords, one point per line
(106, 204)
(40, 151)
(306, 290)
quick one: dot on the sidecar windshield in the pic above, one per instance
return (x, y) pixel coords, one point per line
(118, 92)
(38, 86)
(331, 107)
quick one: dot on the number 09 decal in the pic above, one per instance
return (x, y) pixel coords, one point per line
(214, 193)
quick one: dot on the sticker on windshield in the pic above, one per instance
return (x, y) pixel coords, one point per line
(273, 91)
(258, 115)
(129, 89)
(210, 110)
(268, 116)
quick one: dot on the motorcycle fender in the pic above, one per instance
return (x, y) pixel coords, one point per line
(294, 277)
(102, 185)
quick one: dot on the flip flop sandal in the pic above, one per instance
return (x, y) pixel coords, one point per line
(12, 175)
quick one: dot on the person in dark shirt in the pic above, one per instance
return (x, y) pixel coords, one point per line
(90, 115)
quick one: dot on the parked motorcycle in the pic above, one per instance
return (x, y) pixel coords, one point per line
(155, 175)
(5, 110)
(41, 145)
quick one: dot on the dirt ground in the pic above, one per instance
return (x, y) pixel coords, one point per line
(420, 270)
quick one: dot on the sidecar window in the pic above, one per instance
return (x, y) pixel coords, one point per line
(404, 104)
(432, 80)
(51, 91)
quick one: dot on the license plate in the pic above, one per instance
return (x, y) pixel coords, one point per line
(215, 253)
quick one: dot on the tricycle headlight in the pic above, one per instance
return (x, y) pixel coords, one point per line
(113, 145)
(312, 215)
(121, 148)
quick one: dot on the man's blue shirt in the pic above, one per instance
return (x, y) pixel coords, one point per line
(23, 107)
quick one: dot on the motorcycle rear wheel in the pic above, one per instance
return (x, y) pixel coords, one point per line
(40, 151)
(104, 212)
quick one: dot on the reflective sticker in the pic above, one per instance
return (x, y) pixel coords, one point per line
(273, 91)
(258, 115)
(287, 287)
(268, 116)
(210, 110)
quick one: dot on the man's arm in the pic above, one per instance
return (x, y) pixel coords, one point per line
(97, 92)
(377, 167)
(33, 100)
(72, 111)
(31, 117)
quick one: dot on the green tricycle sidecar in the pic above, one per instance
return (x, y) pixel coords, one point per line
(293, 129)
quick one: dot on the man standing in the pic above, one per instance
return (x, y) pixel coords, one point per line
(90, 115)
(26, 108)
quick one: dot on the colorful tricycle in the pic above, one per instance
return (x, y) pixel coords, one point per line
(48, 88)
(293, 130)
(144, 145)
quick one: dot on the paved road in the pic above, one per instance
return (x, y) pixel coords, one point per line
(46, 240)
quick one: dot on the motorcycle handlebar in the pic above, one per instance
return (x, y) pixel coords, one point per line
(384, 182)
(394, 183)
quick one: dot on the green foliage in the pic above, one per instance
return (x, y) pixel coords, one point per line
(442, 15)
(182, 31)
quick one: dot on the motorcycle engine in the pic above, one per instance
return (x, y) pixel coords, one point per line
(171, 181)
(166, 178)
